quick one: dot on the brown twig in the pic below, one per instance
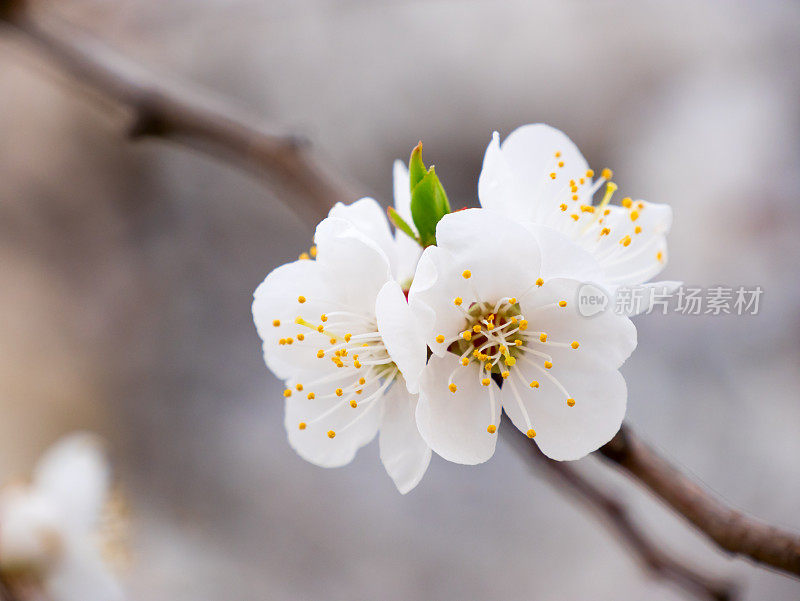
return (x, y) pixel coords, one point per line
(732, 530)
(616, 517)
(165, 111)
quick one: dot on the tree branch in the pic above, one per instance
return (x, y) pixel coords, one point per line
(167, 112)
(616, 517)
(732, 530)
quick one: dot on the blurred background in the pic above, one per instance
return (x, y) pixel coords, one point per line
(128, 270)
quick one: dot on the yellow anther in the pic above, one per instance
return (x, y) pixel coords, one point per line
(660, 256)
(276, 323)
(466, 274)
(453, 388)
(590, 173)
(301, 299)
(353, 404)
(514, 320)
(486, 381)
(563, 207)
(457, 301)
(552, 176)
(323, 318)
(333, 340)
(531, 433)
(573, 188)
(467, 335)
(605, 231)
(548, 364)
(607, 173)
(523, 324)
(313, 251)
(625, 241)
(464, 361)
(561, 163)
(575, 217)
(357, 364)
(347, 337)
(505, 374)
(510, 361)
(575, 197)
(607, 211)
(627, 202)
(310, 396)
(282, 341)
(303, 257)
(491, 428)
(476, 353)
(518, 342)
(299, 387)
(440, 338)
(301, 337)
(503, 349)
(331, 434)
(571, 402)
(320, 354)
(511, 301)
(289, 340)
(359, 391)
(575, 344)
(634, 215)
(302, 425)
(562, 303)
(587, 209)
(339, 392)
(287, 393)
(320, 328)
(487, 366)
(534, 384)
(362, 381)
(539, 282)
(542, 337)
(637, 229)
(558, 154)
(476, 328)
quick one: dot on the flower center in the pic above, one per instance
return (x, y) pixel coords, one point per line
(365, 370)
(507, 348)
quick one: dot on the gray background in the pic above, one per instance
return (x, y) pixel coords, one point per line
(127, 273)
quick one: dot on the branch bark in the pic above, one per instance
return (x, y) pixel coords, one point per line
(731, 530)
(616, 517)
(177, 114)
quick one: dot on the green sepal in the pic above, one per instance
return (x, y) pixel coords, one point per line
(401, 225)
(429, 201)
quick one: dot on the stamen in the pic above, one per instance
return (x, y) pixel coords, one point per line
(301, 299)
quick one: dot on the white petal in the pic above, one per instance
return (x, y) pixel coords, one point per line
(455, 424)
(501, 254)
(276, 301)
(352, 263)
(402, 191)
(529, 155)
(564, 432)
(336, 414)
(431, 297)
(75, 474)
(606, 336)
(368, 217)
(562, 257)
(645, 255)
(404, 453)
(399, 329)
(34, 528)
(497, 186)
(81, 574)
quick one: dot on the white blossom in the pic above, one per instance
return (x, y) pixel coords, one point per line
(497, 298)
(537, 174)
(341, 334)
(49, 528)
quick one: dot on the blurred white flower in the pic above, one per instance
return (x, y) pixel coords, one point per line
(494, 310)
(537, 174)
(49, 528)
(340, 332)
